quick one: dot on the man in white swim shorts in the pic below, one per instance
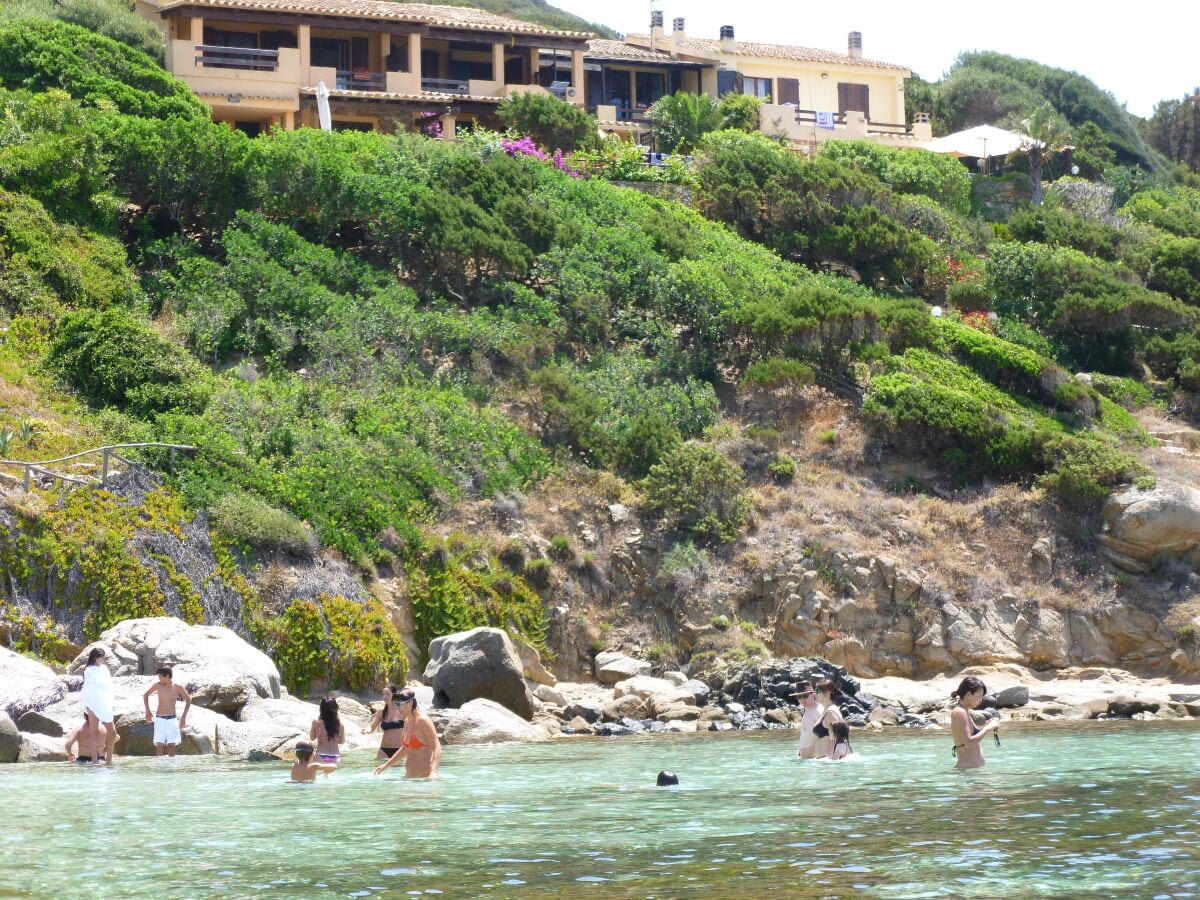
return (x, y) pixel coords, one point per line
(167, 728)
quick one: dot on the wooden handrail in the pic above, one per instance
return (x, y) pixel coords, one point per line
(106, 453)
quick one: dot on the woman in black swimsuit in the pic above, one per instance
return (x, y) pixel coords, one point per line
(389, 721)
(967, 735)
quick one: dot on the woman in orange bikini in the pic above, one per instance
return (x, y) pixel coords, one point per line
(420, 747)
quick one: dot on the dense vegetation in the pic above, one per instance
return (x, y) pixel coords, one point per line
(361, 331)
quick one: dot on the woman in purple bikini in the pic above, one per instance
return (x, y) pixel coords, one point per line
(328, 732)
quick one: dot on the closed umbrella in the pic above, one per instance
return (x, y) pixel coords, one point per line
(323, 107)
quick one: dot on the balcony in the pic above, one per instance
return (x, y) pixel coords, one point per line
(360, 80)
(444, 86)
(209, 56)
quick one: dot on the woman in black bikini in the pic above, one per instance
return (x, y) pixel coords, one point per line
(968, 735)
(389, 721)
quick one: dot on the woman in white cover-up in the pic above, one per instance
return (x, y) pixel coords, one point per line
(98, 701)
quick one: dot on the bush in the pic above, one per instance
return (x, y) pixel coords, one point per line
(110, 18)
(246, 519)
(551, 123)
(697, 489)
(113, 359)
(40, 55)
(934, 175)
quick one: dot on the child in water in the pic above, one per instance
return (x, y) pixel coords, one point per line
(841, 742)
(304, 770)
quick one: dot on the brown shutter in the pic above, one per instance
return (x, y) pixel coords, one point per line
(789, 90)
(856, 97)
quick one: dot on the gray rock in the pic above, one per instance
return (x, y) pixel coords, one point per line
(1126, 707)
(612, 667)
(531, 663)
(263, 756)
(41, 748)
(698, 689)
(578, 725)
(629, 706)
(720, 726)
(1012, 697)
(677, 678)
(478, 664)
(549, 695)
(588, 710)
(644, 686)
(10, 739)
(27, 684)
(884, 716)
(483, 721)
(219, 669)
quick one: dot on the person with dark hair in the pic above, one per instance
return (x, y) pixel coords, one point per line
(304, 770)
(667, 779)
(98, 702)
(168, 731)
(841, 742)
(388, 720)
(81, 738)
(812, 717)
(827, 695)
(967, 735)
(420, 747)
(328, 732)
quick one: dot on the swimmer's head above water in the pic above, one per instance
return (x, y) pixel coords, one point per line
(667, 779)
(304, 751)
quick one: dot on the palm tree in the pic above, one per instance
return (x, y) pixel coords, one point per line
(680, 120)
(1046, 133)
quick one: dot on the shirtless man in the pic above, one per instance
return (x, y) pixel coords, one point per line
(812, 715)
(167, 729)
(82, 736)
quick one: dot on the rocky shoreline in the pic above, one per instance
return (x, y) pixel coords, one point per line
(481, 687)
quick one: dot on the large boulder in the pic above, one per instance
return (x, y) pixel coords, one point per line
(27, 684)
(41, 748)
(531, 663)
(478, 664)
(10, 739)
(1139, 525)
(645, 687)
(612, 667)
(484, 721)
(219, 669)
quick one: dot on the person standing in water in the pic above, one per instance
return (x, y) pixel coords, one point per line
(328, 732)
(812, 717)
(98, 703)
(420, 748)
(168, 731)
(967, 735)
(827, 694)
(841, 742)
(81, 738)
(390, 722)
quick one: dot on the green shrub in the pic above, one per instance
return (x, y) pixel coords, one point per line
(939, 177)
(47, 54)
(246, 519)
(683, 561)
(782, 467)
(552, 123)
(113, 359)
(112, 19)
(697, 489)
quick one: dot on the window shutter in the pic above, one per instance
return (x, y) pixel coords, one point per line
(855, 97)
(728, 83)
(789, 90)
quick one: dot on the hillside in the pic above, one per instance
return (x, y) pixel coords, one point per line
(538, 11)
(498, 388)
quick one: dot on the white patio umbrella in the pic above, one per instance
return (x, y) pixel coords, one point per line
(982, 141)
(323, 107)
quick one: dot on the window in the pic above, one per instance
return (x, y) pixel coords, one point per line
(757, 87)
(650, 86)
(854, 97)
(728, 82)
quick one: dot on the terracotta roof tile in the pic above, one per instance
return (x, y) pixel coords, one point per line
(776, 51)
(602, 49)
(424, 97)
(441, 16)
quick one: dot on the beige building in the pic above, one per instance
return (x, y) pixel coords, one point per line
(809, 95)
(387, 66)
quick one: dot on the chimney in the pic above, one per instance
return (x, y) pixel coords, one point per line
(728, 44)
(855, 51)
(656, 27)
(677, 27)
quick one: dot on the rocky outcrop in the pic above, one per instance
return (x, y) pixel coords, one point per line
(10, 739)
(219, 669)
(479, 664)
(27, 684)
(612, 667)
(483, 721)
(1140, 526)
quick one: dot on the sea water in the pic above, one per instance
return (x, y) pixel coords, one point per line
(1073, 810)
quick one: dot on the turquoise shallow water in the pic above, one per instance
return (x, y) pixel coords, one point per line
(1075, 810)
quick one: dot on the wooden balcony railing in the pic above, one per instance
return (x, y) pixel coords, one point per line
(361, 80)
(213, 57)
(444, 85)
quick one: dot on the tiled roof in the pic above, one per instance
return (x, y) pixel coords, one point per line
(441, 16)
(775, 51)
(602, 49)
